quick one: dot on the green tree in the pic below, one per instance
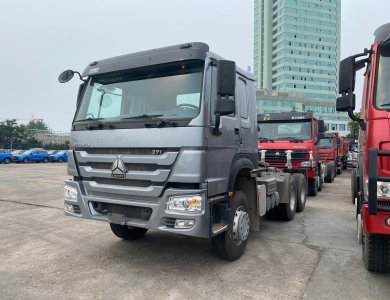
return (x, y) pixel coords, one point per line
(37, 124)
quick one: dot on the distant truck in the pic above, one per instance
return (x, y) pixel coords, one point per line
(341, 155)
(328, 151)
(166, 139)
(5, 156)
(31, 156)
(370, 181)
(289, 142)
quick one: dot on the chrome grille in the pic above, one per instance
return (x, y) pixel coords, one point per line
(147, 172)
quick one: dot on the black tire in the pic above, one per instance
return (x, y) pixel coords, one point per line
(345, 165)
(376, 252)
(286, 211)
(300, 182)
(45, 160)
(320, 183)
(60, 160)
(230, 245)
(329, 172)
(7, 160)
(340, 168)
(127, 232)
(26, 160)
(354, 190)
(313, 187)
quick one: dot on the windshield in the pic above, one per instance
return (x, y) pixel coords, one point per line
(382, 96)
(52, 152)
(170, 91)
(285, 130)
(326, 143)
(16, 152)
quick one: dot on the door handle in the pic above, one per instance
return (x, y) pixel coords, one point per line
(236, 131)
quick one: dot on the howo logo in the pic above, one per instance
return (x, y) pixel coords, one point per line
(118, 168)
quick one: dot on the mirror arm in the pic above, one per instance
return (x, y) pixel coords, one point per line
(216, 130)
(361, 122)
(81, 78)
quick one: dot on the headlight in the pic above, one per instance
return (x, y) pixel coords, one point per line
(383, 189)
(306, 164)
(70, 193)
(190, 203)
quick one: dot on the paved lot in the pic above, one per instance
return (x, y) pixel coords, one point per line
(45, 255)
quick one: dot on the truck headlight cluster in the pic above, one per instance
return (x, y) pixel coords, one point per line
(70, 193)
(383, 189)
(188, 203)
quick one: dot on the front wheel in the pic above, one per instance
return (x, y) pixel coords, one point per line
(60, 160)
(7, 160)
(376, 252)
(128, 232)
(26, 160)
(45, 160)
(230, 245)
(329, 172)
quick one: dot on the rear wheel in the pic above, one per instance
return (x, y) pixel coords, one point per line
(128, 232)
(329, 172)
(340, 168)
(354, 190)
(376, 252)
(26, 160)
(45, 160)
(313, 186)
(7, 160)
(230, 245)
(60, 160)
(300, 181)
(286, 211)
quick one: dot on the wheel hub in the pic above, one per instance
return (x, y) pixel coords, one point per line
(240, 225)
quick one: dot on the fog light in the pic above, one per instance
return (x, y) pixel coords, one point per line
(388, 221)
(70, 193)
(69, 208)
(184, 224)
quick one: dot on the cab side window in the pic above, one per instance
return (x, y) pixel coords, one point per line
(241, 96)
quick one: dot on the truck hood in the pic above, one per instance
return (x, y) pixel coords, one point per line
(286, 145)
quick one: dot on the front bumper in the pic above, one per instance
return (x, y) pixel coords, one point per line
(160, 218)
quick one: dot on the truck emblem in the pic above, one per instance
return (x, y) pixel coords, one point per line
(118, 168)
(277, 154)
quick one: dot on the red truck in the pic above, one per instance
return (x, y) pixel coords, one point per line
(328, 151)
(371, 179)
(341, 155)
(289, 142)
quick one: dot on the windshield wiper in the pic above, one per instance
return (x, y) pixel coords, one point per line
(290, 138)
(264, 139)
(158, 122)
(95, 123)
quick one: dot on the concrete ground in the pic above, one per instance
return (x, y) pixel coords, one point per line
(45, 255)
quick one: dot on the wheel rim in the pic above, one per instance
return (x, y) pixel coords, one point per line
(240, 226)
(293, 199)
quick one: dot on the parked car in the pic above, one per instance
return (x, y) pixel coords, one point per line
(59, 155)
(31, 155)
(5, 156)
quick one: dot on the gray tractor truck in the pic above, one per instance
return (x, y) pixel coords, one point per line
(166, 139)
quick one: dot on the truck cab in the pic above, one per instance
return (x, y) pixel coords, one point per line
(371, 179)
(328, 152)
(289, 142)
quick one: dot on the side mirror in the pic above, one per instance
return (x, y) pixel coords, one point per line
(226, 78)
(225, 107)
(347, 75)
(321, 127)
(346, 102)
(66, 76)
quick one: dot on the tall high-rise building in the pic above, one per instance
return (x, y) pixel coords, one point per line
(297, 49)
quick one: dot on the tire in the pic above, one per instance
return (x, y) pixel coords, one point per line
(230, 245)
(26, 160)
(320, 183)
(7, 160)
(340, 168)
(376, 252)
(300, 182)
(286, 211)
(60, 160)
(45, 160)
(127, 232)
(345, 165)
(329, 172)
(313, 187)
(354, 190)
